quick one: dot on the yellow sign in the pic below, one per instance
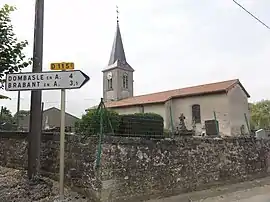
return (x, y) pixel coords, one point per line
(62, 66)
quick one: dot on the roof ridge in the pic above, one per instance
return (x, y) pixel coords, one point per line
(60, 111)
(165, 91)
(163, 96)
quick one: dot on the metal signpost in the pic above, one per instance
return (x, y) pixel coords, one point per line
(51, 80)
(62, 66)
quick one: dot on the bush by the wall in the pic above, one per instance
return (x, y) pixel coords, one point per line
(141, 124)
(90, 122)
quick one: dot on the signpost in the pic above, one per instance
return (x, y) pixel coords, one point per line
(51, 80)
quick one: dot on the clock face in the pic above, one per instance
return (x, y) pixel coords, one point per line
(109, 75)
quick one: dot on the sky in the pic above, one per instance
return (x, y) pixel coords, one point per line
(170, 44)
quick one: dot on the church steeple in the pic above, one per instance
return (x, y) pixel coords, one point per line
(118, 75)
(117, 52)
(118, 56)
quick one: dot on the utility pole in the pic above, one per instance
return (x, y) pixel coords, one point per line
(1, 113)
(18, 109)
(35, 128)
(42, 109)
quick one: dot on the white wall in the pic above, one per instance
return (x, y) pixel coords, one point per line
(128, 110)
(229, 108)
(238, 102)
(208, 104)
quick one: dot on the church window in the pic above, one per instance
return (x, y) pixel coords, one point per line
(125, 81)
(110, 86)
(196, 113)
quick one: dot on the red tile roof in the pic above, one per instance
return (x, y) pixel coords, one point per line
(161, 97)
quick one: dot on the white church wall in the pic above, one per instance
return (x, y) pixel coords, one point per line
(238, 102)
(128, 110)
(208, 104)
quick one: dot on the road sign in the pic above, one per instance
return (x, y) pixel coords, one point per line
(62, 66)
(45, 80)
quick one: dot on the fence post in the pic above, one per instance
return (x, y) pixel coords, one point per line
(100, 113)
(217, 125)
(171, 118)
(246, 119)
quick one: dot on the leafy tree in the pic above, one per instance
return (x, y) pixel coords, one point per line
(3, 97)
(90, 122)
(6, 116)
(12, 58)
(6, 120)
(22, 113)
(260, 114)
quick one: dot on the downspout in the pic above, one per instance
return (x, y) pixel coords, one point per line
(171, 117)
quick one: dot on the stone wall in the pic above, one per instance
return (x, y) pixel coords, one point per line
(79, 158)
(134, 169)
(139, 169)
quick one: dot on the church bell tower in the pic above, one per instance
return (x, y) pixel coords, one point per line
(118, 75)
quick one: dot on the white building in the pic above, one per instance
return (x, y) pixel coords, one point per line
(228, 99)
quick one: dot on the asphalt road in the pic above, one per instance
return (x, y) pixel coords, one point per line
(239, 198)
(233, 197)
(259, 198)
(251, 191)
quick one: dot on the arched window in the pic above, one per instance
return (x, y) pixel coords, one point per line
(196, 113)
(125, 80)
(110, 86)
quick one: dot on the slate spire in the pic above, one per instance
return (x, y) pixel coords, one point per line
(117, 52)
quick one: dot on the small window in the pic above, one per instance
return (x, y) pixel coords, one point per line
(196, 113)
(125, 81)
(110, 87)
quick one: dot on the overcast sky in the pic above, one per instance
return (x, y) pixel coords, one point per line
(170, 44)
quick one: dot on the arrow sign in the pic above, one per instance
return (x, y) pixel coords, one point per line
(50, 80)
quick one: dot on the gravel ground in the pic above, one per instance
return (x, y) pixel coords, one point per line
(15, 187)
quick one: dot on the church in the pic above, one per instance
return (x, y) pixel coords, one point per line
(224, 101)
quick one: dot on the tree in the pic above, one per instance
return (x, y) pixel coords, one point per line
(12, 58)
(6, 120)
(22, 113)
(90, 122)
(6, 116)
(260, 115)
(3, 97)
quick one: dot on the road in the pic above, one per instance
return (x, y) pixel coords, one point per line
(251, 191)
(258, 194)
(259, 198)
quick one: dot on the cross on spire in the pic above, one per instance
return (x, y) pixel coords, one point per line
(117, 14)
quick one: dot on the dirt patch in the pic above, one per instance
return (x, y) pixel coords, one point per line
(15, 187)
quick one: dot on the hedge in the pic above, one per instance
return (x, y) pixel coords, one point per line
(141, 124)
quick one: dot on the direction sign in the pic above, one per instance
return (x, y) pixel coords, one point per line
(62, 66)
(45, 80)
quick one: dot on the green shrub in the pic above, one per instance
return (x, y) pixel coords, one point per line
(167, 132)
(90, 122)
